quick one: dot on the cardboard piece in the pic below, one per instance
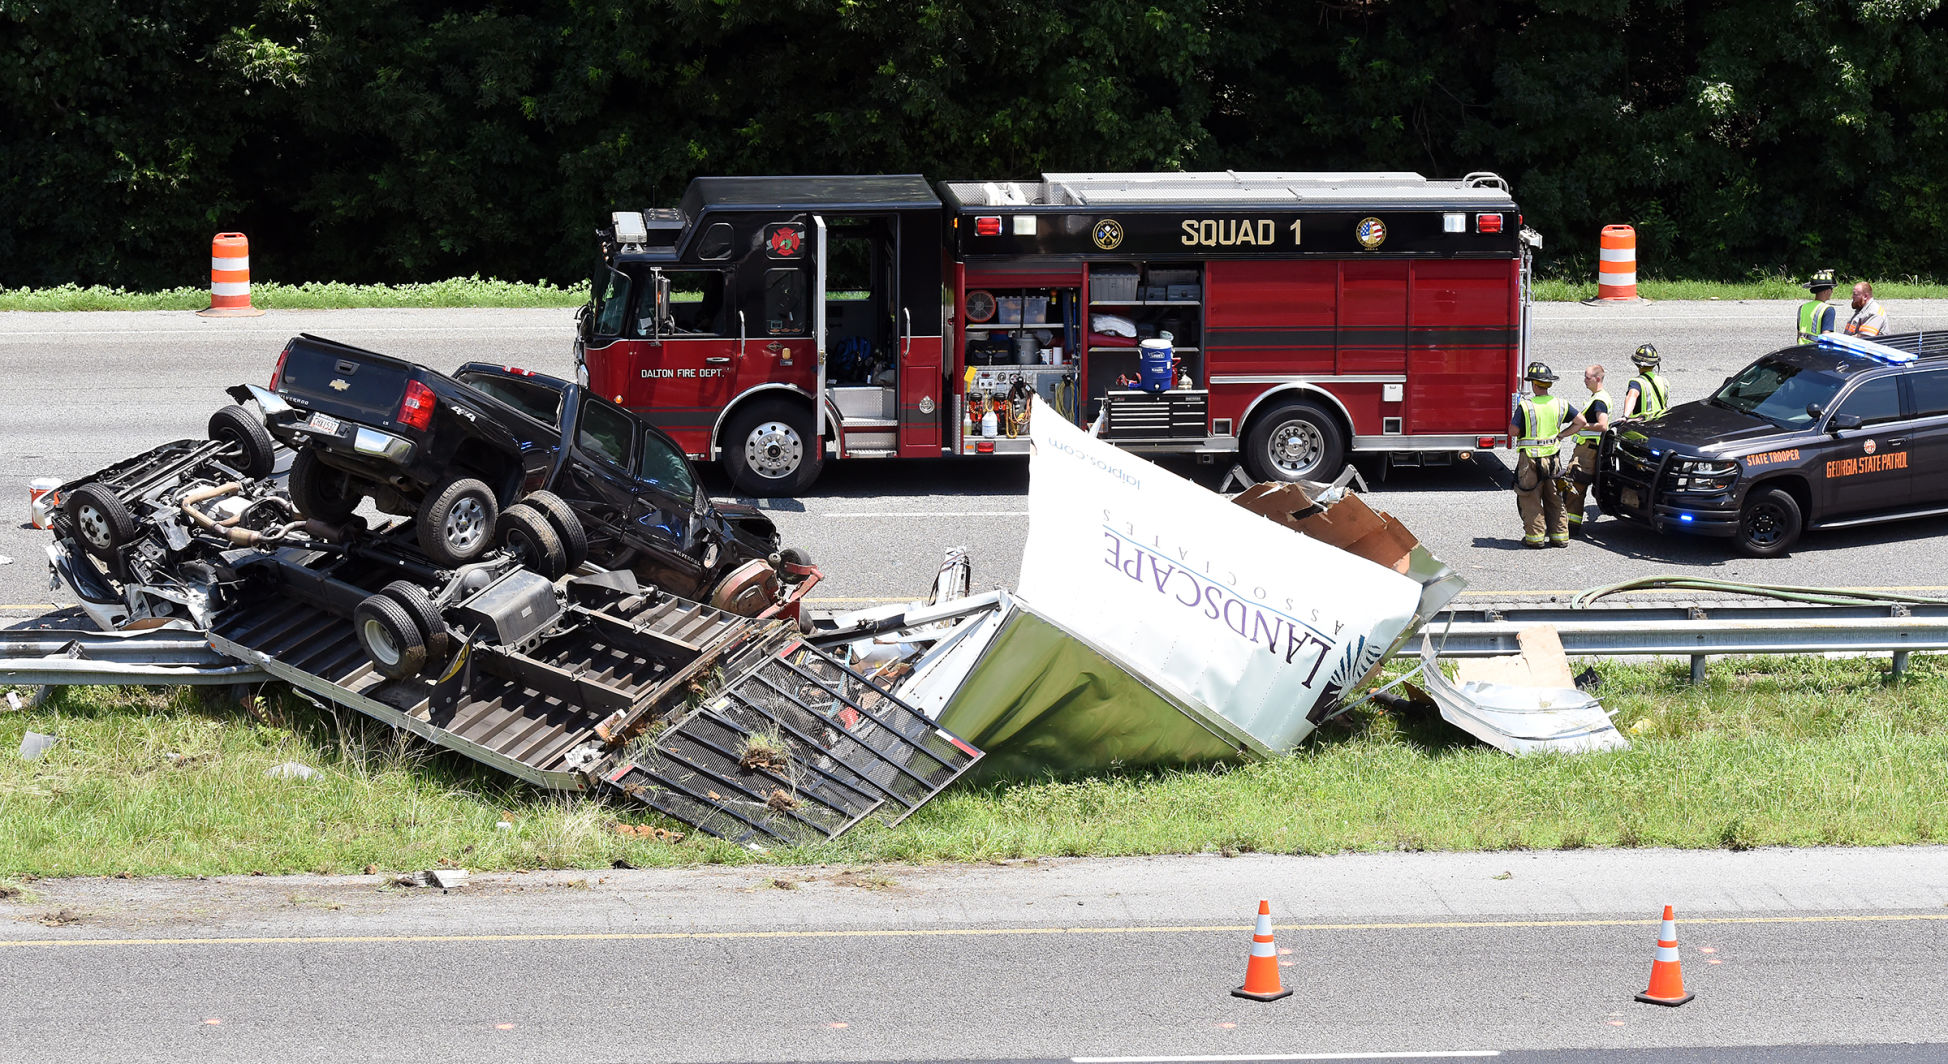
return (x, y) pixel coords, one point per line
(1348, 524)
(1542, 663)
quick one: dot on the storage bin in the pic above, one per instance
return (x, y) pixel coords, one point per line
(1166, 276)
(1009, 310)
(1153, 293)
(1118, 285)
(1182, 291)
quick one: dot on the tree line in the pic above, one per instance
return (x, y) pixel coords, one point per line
(400, 140)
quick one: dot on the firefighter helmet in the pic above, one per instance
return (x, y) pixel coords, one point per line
(1820, 279)
(1646, 357)
(1540, 371)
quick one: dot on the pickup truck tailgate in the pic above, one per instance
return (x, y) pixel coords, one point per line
(363, 388)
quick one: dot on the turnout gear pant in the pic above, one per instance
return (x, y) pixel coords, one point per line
(1537, 500)
(1576, 482)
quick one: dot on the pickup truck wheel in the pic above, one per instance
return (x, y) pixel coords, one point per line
(1769, 523)
(456, 522)
(419, 606)
(390, 636)
(100, 519)
(769, 449)
(567, 525)
(527, 532)
(1296, 441)
(320, 491)
(256, 451)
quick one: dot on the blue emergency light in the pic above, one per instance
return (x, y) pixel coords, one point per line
(1879, 352)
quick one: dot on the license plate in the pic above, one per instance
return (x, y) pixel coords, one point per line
(325, 424)
(1632, 498)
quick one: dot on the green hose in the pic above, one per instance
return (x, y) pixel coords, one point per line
(1821, 596)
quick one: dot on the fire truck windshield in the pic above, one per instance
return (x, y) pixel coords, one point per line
(611, 301)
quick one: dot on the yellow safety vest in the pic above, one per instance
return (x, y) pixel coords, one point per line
(1590, 435)
(1543, 415)
(1654, 394)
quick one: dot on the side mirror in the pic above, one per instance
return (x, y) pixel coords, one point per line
(662, 310)
(1814, 410)
(1841, 422)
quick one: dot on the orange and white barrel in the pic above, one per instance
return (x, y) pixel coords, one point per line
(41, 501)
(1616, 263)
(230, 277)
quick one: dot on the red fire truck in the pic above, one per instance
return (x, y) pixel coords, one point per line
(773, 323)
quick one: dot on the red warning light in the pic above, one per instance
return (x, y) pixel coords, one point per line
(987, 225)
(1488, 223)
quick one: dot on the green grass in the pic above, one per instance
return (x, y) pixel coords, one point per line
(1563, 290)
(312, 295)
(1767, 752)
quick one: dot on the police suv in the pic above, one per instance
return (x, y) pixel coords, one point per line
(1831, 434)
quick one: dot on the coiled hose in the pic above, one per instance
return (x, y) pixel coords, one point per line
(1820, 596)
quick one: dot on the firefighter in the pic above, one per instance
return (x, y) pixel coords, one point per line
(1816, 315)
(1581, 470)
(1868, 317)
(1647, 394)
(1541, 421)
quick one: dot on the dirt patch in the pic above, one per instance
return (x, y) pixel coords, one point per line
(863, 880)
(648, 831)
(60, 918)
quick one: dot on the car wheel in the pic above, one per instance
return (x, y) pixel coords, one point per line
(1296, 441)
(527, 532)
(419, 606)
(456, 522)
(769, 449)
(256, 452)
(390, 637)
(320, 491)
(100, 519)
(1769, 524)
(567, 525)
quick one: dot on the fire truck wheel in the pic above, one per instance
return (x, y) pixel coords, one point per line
(527, 532)
(390, 637)
(1769, 523)
(419, 606)
(256, 452)
(568, 526)
(320, 491)
(1296, 441)
(769, 449)
(100, 519)
(456, 522)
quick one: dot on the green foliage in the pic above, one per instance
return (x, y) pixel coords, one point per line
(375, 140)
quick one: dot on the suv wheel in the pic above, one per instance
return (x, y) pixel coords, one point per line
(1769, 524)
(769, 449)
(456, 522)
(1297, 441)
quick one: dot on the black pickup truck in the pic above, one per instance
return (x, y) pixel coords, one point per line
(469, 454)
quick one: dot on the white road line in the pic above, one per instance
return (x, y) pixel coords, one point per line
(1449, 1054)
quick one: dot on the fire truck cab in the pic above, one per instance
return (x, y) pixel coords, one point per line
(772, 323)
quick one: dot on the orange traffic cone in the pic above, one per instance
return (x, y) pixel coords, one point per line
(1261, 971)
(1666, 974)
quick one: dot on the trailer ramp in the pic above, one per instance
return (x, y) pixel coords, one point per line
(795, 747)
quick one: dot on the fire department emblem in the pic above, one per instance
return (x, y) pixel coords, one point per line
(1868, 447)
(1108, 234)
(1371, 233)
(785, 242)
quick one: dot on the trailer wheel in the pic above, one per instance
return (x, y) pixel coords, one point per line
(1769, 523)
(100, 519)
(319, 491)
(526, 531)
(567, 525)
(770, 450)
(257, 452)
(1297, 441)
(419, 606)
(390, 636)
(456, 522)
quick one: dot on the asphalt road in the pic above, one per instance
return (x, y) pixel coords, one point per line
(1388, 953)
(81, 390)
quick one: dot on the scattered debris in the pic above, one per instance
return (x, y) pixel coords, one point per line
(503, 825)
(1588, 680)
(291, 770)
(13, 701)
(1504, 875)
(34, 745)
(781, 800)
(61, 918)
(785, 884)
(371, 870)
(1522, 717)
(445, 878)
(8, 892)
(648, 831)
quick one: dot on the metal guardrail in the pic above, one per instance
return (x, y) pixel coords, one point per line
(51, 657)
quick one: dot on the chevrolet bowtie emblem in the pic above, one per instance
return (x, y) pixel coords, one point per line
(339, 385)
